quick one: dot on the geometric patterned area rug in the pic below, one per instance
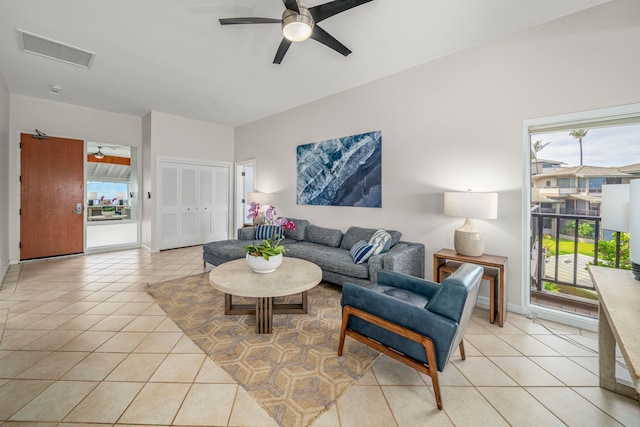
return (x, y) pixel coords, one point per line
(294, 373)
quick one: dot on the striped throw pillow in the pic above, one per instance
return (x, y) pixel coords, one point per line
(360, 252)
(264, 232)
(381, 242)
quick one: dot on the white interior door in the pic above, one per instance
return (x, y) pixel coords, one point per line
(206, 181)
(169, 215)
(244, 185)
(194, 203)
(188, 205)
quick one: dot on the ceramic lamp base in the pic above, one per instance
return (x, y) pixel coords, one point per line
(468, 240)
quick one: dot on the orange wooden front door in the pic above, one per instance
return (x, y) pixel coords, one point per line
(51, 186)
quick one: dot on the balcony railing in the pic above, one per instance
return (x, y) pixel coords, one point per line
(560, 277)
(554, 228)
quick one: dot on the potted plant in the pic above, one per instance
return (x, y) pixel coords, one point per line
(265, 257)
(108, 210)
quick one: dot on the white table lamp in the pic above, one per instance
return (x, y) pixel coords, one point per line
(92, 196)
(468, 240)
(620, 212)
(614, 209)
(263, 200)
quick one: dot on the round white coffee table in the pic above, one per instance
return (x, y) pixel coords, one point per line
(292, 277)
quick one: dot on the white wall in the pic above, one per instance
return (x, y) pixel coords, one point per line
(456, 124)
(4, 177)
(64, 120)
(183, 138)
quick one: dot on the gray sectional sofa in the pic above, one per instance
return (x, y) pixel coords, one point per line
(329, 249)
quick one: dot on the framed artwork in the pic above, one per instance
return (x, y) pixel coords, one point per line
(343, 171)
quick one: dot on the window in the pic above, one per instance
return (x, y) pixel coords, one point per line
(587, 150)
(105, 190)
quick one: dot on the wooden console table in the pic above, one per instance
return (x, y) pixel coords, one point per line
(495, 268)
(618, 322)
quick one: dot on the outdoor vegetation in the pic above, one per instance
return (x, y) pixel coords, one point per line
(606, 250)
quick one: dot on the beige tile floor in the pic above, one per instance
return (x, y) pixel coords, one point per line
(84, 344)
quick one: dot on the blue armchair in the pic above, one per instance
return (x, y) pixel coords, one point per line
(414, 321)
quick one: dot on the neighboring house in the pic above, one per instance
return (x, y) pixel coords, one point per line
(576, 190)
(542, 165)
(631, 169)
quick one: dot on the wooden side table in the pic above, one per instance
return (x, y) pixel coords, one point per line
(495, 268)
(618, 318)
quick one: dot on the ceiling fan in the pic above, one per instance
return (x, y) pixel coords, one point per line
(99, 154)
(300, 23)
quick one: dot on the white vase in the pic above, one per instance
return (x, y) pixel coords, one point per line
(261, 265)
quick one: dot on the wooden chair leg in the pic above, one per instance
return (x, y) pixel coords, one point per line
(433, 369)
(346, 312)
(462, 355)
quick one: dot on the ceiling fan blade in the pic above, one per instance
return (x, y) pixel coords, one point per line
(232, 21)
(327, 10)
(327, 39)
(291, 5)
(282, 49)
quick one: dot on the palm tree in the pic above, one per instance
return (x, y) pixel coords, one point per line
(579, 134)
(535, 148)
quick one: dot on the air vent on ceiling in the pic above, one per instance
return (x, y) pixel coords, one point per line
(43, 46)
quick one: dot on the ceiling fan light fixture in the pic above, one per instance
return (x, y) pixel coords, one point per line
(297, 27)
(99, 154)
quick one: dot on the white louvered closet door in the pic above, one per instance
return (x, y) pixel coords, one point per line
(194, 204)
(206, 181)
(188, 206)
(169, 206)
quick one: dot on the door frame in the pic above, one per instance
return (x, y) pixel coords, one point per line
(135, 166)
(238, 204)
(579, 118)
(158, 190)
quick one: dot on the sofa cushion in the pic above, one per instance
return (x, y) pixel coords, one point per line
(380, 241)
(226, 249)
(247, 233)
(301, 228)
(335, 260)
(324, 236)
(355, 234)
(361, 251)
(264, 232)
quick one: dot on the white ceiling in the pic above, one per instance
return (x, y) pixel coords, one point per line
(174, 57)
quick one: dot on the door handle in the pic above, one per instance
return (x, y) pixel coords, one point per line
(78, 209)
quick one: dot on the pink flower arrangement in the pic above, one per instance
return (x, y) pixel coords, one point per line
(270, 247)
(270, 216)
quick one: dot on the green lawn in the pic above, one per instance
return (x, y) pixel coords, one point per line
(566, 247)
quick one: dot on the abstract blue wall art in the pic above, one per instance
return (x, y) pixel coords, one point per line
(343, 171)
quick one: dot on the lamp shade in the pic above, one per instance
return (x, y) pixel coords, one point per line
(468, 204)
(121, 196)
(615, 207)
(92, 195)
(261, 198)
